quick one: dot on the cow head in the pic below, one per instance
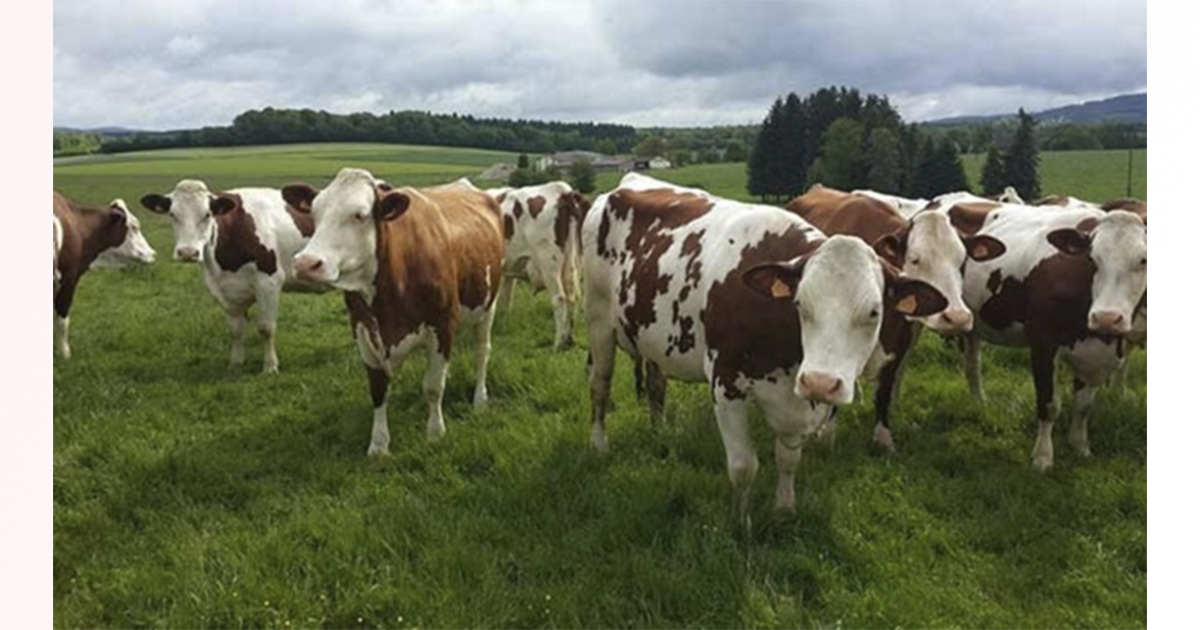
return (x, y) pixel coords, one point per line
(191, 217)
(840, 291)
(929, 248)
(129, 244)
(346, 216)
(1117, 247)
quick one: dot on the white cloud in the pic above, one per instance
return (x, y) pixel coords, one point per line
(154, 64)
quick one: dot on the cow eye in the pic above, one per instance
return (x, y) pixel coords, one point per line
(1143, 262)
(874, 313)
(915, 260)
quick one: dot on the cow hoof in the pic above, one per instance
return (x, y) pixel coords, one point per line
(883, 438)
(377, 450)
(435, 433)
(270, 369)
(1043, 464)
(480, 402)
(599, 442)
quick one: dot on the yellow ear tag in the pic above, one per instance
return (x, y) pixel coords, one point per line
(981, 250)
(908, 305)
(779, 289)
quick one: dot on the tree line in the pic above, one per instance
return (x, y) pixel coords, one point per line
(837, 137)
(288, 126)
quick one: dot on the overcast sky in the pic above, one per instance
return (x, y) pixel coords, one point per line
(166, 64)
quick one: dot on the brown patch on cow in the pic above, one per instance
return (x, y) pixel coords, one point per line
(518, 209)
(1087, 225)
(86, 232)
(835, 212)
(817, 197)
(653, 216)
(750, 334)
(237, 241)
(443, 254)
(968, 217)
(1136, 206)
(1052, 200)
(536, 203)
(509, 227)
(569, 211)
(303, 220)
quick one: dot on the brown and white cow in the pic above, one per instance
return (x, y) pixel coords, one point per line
(1071, 284)
(412, 264)
(244, 240)
(108, 236)
(541, 234)
(750, 299)
(925, 247)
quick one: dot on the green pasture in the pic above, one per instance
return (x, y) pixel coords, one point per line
(188, 495)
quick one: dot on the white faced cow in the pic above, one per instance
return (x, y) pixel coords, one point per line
(925, 247)
(244, 240)
(750, 299)
(412, 264)
(541, 234)
(1071, 285)
(82, 236)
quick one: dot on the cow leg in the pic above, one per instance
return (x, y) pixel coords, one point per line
(971, 347)
(435, 386)
(237, 327)
(602, 344)
(656, 392)
(267, 296)
(62, 317)
(483, 349)
(889, 383)
(793, 421)
(1078, 435)
(506, 292)
(1042, 360)
(380, 438)
(570, 283)
(740, 460)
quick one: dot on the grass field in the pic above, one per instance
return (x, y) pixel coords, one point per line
(188, 495)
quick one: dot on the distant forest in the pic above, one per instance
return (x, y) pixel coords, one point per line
(680, 145)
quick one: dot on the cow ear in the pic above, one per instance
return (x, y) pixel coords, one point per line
(982, 247)
(157, 203)
(299, 196)
(391, 205)
(1070, 241)
(890, 248)
(224, 203)
(775, 280)
(913, 298)
(116, 214)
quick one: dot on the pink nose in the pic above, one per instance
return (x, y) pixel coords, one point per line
(958, 320)
(1108, 322)
(308, 267)
(187, 254)
(820, 387)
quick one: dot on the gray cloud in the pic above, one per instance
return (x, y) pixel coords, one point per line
(155, 64)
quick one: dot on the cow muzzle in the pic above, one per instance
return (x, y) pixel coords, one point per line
(311, 268)
(954, 321)
(823, 388)
(187, 254)
(1108, 323)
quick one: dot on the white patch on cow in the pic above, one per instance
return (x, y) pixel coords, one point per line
(1118, 249)
(133, 249)
(343, 240)
(58, 238)
(380, 437)
(906, 207)
(935, 254)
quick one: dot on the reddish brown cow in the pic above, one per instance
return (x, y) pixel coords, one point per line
(412, 263)
(82, 236)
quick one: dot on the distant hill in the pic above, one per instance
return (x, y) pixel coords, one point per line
(102, 131)
(1123, 108)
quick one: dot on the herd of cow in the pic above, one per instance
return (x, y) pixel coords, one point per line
(788, 307)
